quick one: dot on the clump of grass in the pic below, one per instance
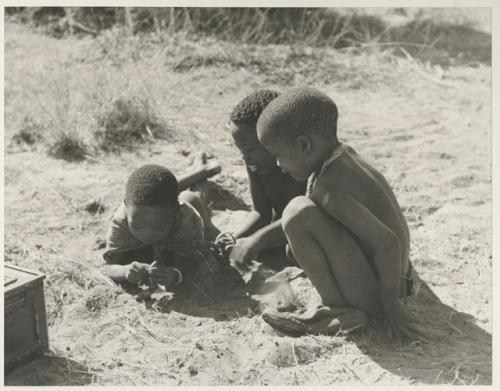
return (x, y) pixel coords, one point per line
(67, 145)
(29, 134)
(129, 121)
(95, 206)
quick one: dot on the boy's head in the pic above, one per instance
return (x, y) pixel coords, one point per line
(151, 200)
(243, 129)
(299, 128)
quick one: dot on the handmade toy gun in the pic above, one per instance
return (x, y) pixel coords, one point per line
(201, 173)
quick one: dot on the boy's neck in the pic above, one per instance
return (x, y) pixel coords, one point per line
(325, 151)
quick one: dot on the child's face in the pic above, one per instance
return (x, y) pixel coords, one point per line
(297, 159)
(150, 224)
(256, 157)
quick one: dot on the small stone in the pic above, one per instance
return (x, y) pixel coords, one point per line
(193, 371)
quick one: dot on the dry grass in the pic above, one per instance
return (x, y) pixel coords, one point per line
(112, 113)
(128, 122)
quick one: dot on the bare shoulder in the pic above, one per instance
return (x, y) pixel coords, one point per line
(350, 175)
(339, 175)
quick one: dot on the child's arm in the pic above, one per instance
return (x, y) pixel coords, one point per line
(382, 241)
(386, 250)
(269, 236)
(262, 213)
(122, 249)
(135, 272)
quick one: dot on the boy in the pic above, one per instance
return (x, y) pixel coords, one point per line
(152, 236)
(270, 189)
(348, 233)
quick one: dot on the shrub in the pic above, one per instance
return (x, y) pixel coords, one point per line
(127, 122)
(67, 145)
(30, 132)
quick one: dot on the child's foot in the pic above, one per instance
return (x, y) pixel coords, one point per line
(286, 323)
(324, 320)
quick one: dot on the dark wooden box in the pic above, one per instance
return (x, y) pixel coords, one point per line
(25, 322)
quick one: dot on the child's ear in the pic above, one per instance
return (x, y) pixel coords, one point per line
(304, 143)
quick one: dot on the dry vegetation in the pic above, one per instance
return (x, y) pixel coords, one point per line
(83, 109)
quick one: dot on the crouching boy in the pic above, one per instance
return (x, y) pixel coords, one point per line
(348, 232)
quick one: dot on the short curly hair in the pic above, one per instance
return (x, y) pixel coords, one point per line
(298, 111)
(248, 110)
(152, 185)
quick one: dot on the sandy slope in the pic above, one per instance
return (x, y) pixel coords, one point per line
(429, 135)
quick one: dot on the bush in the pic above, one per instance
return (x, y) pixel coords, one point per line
(67, 145)
(29, 134)
(127, 122)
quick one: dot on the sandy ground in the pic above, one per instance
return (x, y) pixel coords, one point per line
(426, 129)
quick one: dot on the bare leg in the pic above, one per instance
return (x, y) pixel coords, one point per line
(336, 266)
(331, 258)
(211, 231)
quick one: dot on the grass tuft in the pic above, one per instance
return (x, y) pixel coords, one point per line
(30, 132)
(127, 122)
(68, 145)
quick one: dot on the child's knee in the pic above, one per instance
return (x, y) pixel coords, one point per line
(299, 213)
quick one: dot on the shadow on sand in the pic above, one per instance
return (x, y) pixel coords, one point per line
(221, 297)
(50, 370)
(227, 297)
(457, 351)
(218, 198)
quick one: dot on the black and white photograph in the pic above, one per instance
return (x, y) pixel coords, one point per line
(247, 195)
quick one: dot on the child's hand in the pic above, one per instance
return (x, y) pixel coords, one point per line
(137, 272)
(401, 321)
(225, 241)
(163, 275)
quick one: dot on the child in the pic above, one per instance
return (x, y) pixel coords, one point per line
(152, 236)
(270, 189)
(348, 233)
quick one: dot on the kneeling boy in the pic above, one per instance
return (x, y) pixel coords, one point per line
(261, 237)
(348, 233)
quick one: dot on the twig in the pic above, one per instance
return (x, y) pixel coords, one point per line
(455, 328)
(457, 373)
(351, 371)
(422, 73)
(438, 376)
(297, 363)
(141, 320)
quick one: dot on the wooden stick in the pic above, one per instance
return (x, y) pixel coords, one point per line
(202, 173)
